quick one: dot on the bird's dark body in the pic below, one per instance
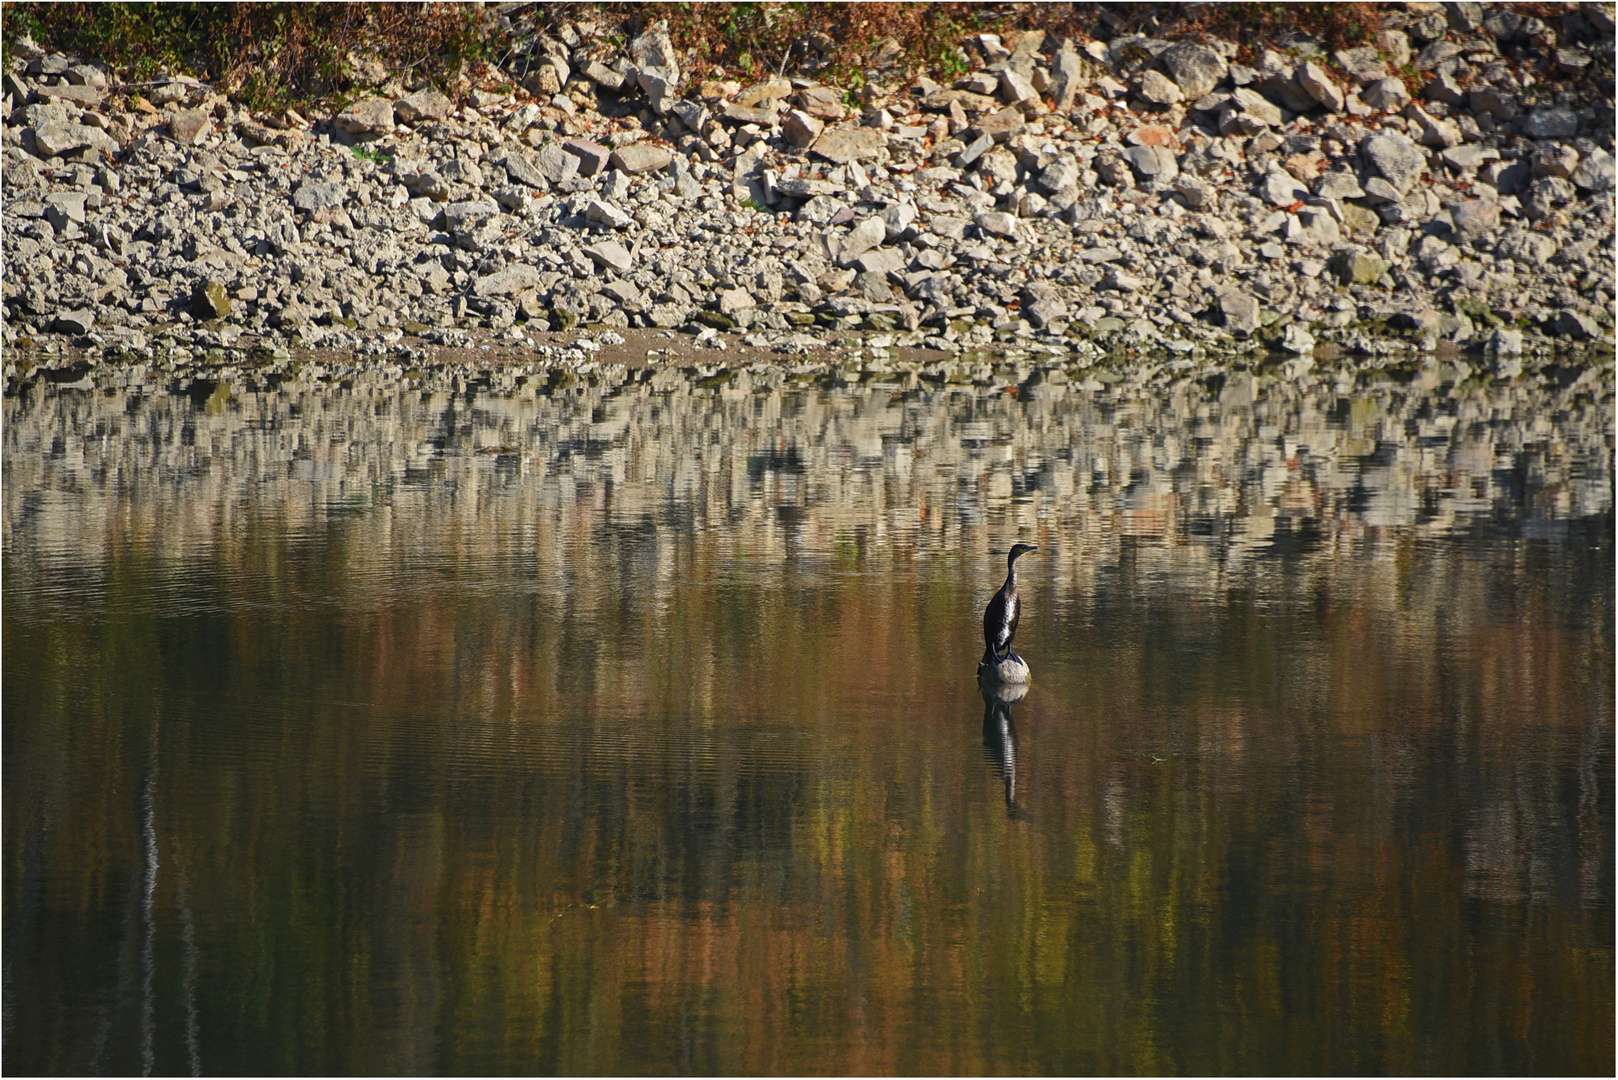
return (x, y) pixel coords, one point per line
(1001, 616)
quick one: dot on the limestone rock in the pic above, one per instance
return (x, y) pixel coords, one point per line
(845, 145)
(1388, 94)
(425, 104)
(1195, 68)
(610, 255)
(188, 126)
(641, 157)
(1357, 268)
(513, 280)
(311, 197)
(211, 300)
(1240, 311)
(1396, 159)
(1314, 81)
(367, 116)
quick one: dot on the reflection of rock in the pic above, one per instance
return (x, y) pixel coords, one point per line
(1013, 670)
(1000, 733)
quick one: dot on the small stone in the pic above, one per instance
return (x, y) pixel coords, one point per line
(1256, 105)
(1298, 339)
(604, 213)
(1363, 64)
(1532, 249)
(1001, 125)
(1504, 342)
(821, 102)
(1152, 162)
(1468, 156)
(862, 238)
(1280, 188)
(1338, 185)
(1595, 171)
(641, 157)
(520, 169)
(733, 300)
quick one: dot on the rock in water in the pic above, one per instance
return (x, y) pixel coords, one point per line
(1013, 669)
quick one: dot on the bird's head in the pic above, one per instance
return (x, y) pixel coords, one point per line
(1017, 551)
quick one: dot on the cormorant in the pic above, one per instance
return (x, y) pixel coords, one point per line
(1000, 617)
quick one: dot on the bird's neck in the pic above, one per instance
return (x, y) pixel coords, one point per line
(1011, 575)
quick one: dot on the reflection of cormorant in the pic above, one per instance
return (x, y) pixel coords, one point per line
(1000, 734)
(1000, 617)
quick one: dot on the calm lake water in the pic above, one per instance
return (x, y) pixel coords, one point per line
(634, 729)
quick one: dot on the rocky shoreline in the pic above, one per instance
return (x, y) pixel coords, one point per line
(1448, 186)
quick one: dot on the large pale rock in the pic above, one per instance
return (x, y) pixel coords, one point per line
(1240, 311)
(1281, 188)
(800, 129)
(641, 157)
(311, 197)
(1396, 159)
(52, 139)
(425, 104)
(1472, 218)
(1159, 89)
(611, 255)
(1067, 77)
(189, 126)
(367, 116)
(1153, 162)
(514, 280)
(1387, 94)
(79, 321)
(1194, 67)
(1314, 81)
(1595, 171)
(592, 157)
(861, 238)
(996, 223)
(844, 145)
(1532, 249)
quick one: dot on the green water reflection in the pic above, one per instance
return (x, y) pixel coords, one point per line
(632, 731)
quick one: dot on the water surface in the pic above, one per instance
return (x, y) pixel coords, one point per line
(635, 730)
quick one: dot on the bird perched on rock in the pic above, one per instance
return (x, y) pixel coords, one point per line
(1000, 617)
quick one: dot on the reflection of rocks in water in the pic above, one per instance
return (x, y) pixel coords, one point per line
(1191, 486)
(1000, 734)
